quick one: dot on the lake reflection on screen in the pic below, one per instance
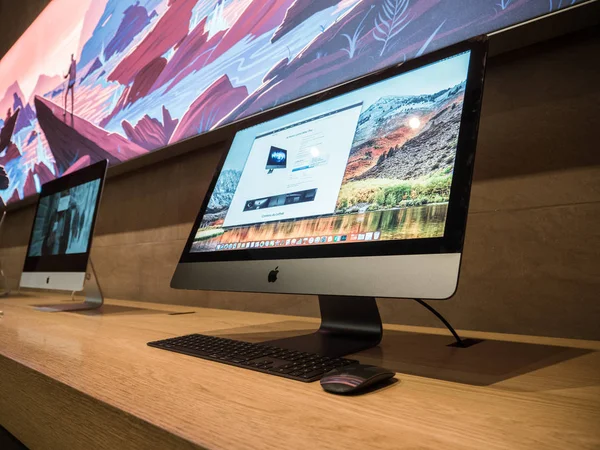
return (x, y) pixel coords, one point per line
(404, 223)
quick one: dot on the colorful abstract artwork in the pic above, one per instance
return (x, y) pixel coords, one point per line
(117, 79)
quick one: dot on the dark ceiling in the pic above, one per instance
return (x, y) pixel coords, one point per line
(15, 17)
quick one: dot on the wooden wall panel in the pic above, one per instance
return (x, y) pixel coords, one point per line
(533, 270)
(531, 261)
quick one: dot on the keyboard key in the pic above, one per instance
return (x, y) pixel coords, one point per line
(312, 374)
(285, 371)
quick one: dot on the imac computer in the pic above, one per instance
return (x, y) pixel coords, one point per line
(277, 159)
(61, 237)
(371, 202)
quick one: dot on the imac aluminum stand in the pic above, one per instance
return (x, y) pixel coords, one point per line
(91, 290)
(4, 288)
(348, 325)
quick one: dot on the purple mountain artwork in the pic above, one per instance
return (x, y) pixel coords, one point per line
(148, 73)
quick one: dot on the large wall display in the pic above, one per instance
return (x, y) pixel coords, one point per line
(117, 79)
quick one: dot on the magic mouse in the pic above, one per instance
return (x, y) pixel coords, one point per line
(354, 378)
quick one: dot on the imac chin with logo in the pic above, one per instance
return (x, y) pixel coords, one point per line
(372, 203)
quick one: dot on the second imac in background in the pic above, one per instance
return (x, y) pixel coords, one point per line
(58, 254)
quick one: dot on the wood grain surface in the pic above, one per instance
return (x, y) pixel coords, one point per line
(88, 380)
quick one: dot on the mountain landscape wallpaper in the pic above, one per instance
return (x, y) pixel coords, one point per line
(393, 165)
(116, 79)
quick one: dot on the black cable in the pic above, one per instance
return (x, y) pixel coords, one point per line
(459, 341)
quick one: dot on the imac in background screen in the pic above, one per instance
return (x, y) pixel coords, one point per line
(63, 221)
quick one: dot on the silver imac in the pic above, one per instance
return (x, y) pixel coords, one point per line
(371, 202)
(61, 237)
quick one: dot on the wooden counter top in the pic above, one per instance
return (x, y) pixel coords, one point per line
(88, 380)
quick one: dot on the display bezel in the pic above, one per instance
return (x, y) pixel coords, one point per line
(69, 262)
(451, 242)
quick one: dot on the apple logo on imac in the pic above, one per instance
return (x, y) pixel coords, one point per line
(273, 275)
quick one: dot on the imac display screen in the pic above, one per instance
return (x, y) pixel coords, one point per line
(277, 158)
(63, 222)
(372, 164)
